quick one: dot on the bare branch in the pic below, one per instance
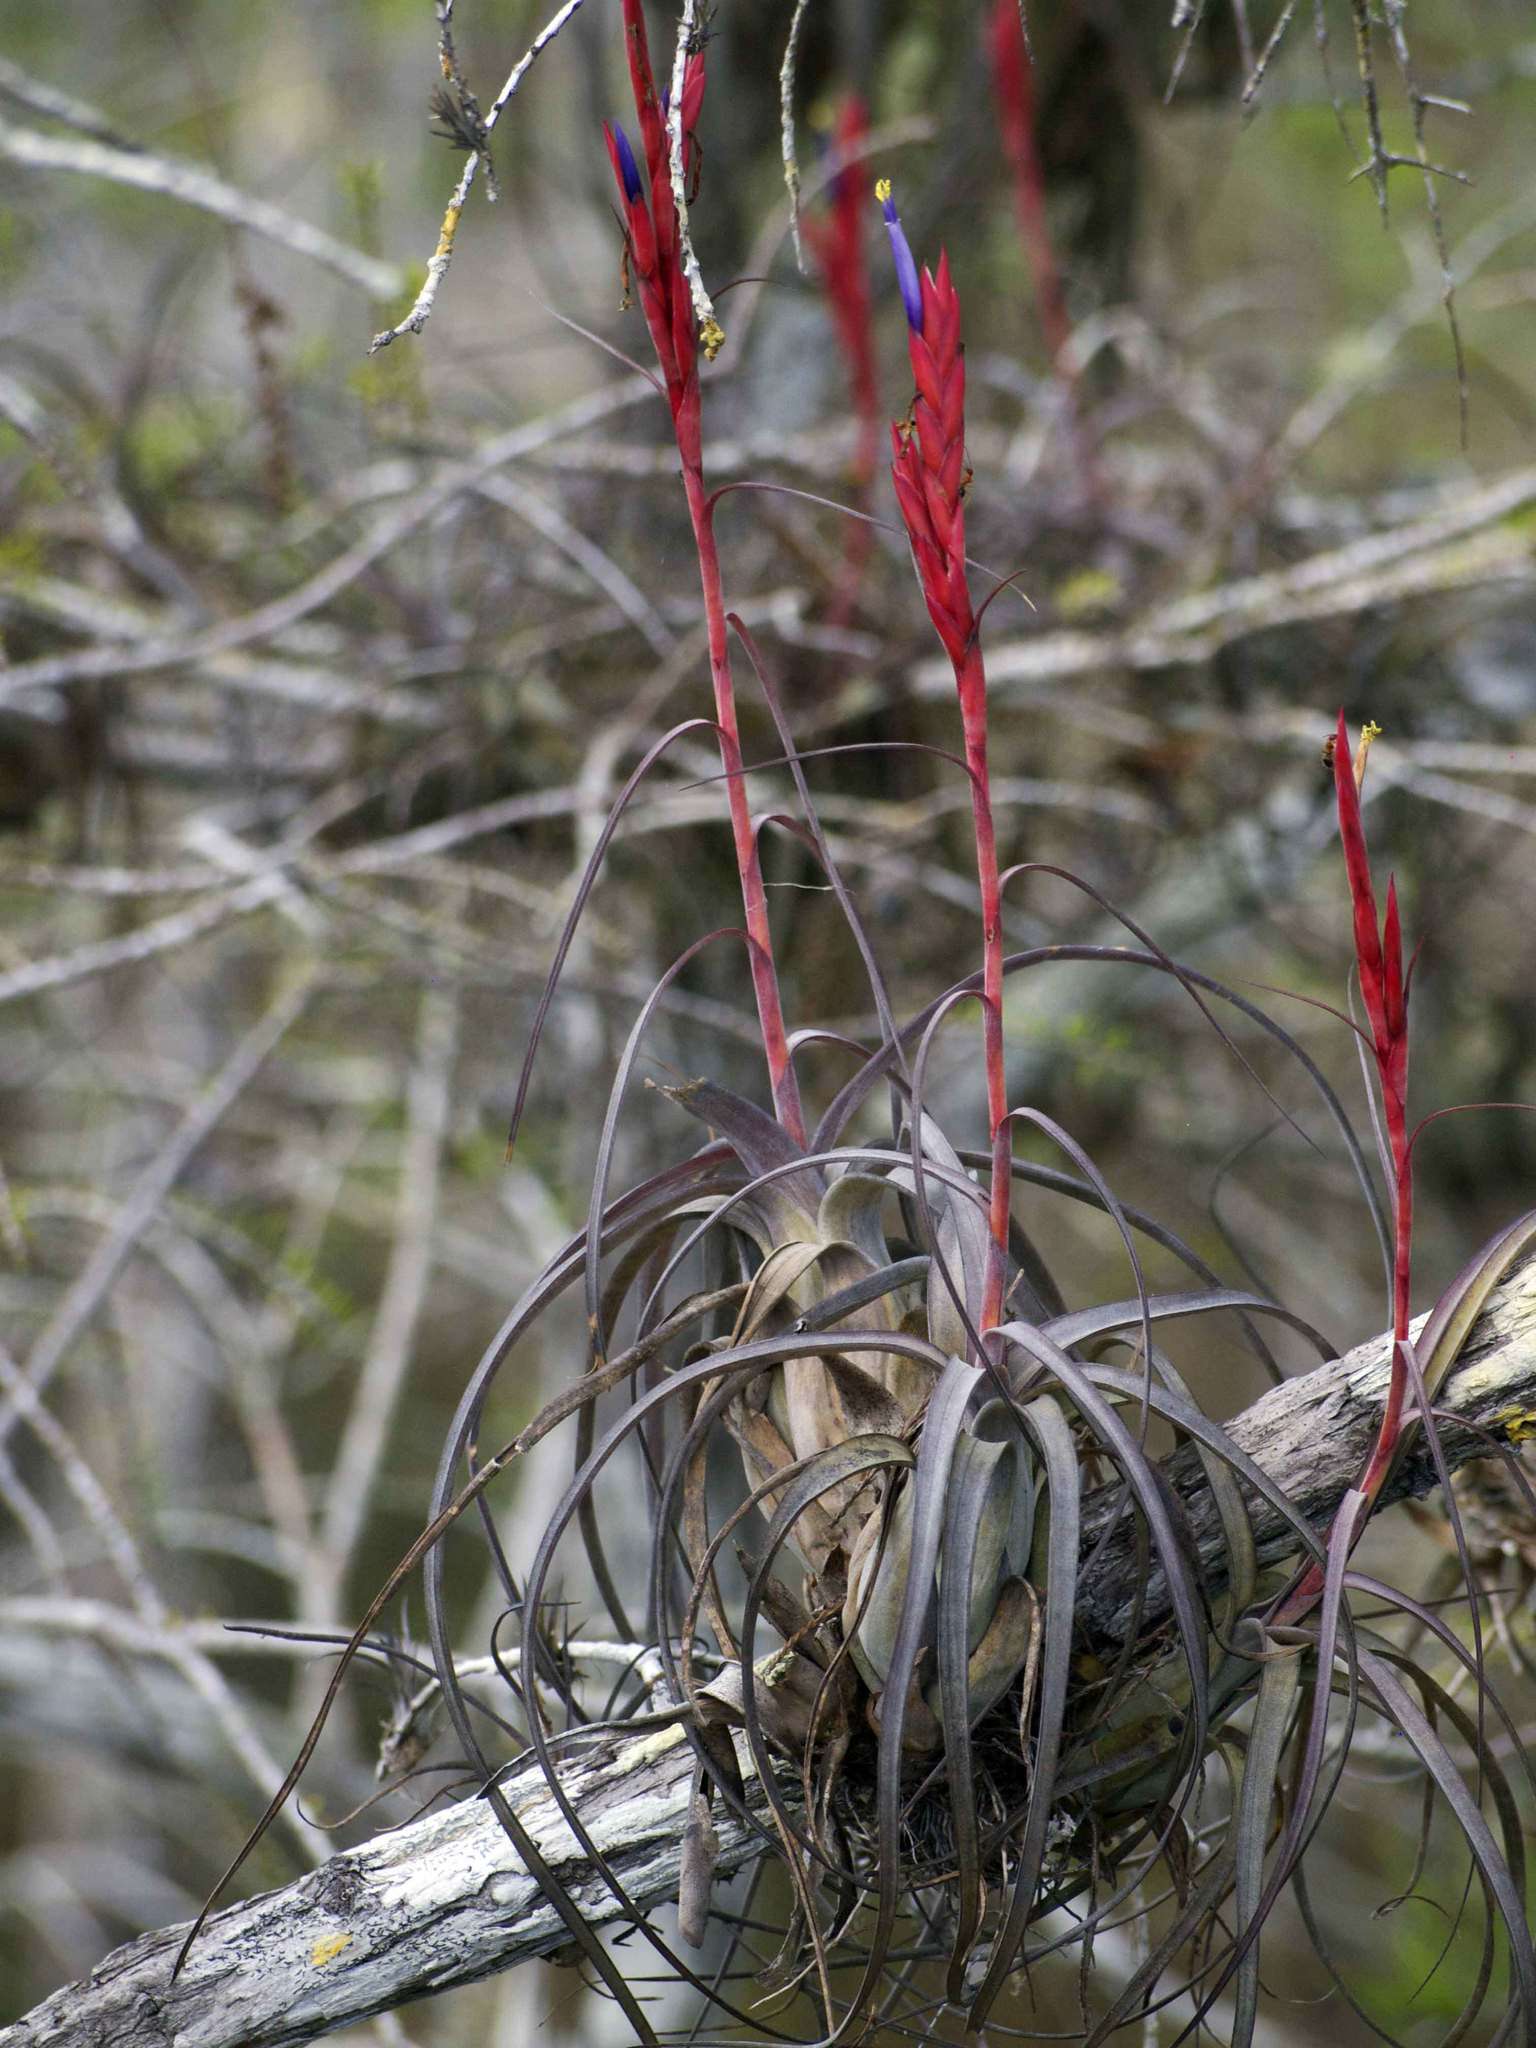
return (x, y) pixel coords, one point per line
(386, 534)
(444, 1901)
(171, 178)
(40, 98)
(441, 1902)
(1470, 539)
(442, 255)
(363, 1440)
(85, 1295)
(787, 126)
(710, 332)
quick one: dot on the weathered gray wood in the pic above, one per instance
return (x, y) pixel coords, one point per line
(1311, 1436)
(435, 1904)
(445, 1901)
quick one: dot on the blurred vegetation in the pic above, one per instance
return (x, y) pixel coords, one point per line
(313, 703)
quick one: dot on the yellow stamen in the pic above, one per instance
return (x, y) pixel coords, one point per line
(1368, 732)
(882, 189)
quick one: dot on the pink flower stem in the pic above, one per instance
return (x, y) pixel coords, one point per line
(971, 683)
(1391, 1426)
(1384, 992)
(765, 979)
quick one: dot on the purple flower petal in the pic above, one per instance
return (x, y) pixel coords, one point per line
(906, 267)
(629, 170)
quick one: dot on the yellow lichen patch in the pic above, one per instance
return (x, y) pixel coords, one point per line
(446, 233)
(327, 1949)
(1518, 1425)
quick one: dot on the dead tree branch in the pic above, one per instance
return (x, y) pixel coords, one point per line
(444, 1901)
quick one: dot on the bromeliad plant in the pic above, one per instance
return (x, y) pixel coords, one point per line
(880, 1626)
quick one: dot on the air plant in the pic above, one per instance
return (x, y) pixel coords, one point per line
(882, 1628)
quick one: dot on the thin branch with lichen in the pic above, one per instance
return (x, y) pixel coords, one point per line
(437, 264)
(787, 126)
(689, 40)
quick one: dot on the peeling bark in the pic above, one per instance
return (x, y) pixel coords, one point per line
(445, 1901)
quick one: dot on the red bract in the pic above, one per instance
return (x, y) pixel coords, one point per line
(1378, 959)
(650, 212)
(1384, 994)
(928, 463)
(929, 472)
(1379, 963)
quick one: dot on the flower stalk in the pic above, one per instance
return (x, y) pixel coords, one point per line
(1013, 85)
(649, 211)
(1384, 990)
(929, 471)
(1384, 994)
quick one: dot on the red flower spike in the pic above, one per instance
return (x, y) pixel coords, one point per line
(642, 242)
(928, 470)
(650, 218)
(1012, 78)
(837, 243)
(693, 93)
(1379, 959)
(1013, 85)
(1357, 867)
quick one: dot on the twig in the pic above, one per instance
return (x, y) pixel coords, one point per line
(1260, 67)
(339, 574)
(56, 105)
(1470, 539)
(86, 1293)
(34, 1522)
(185, 1648)
(787, 126)
(603, 570)
(1418, 102)
(147, 941)
(710, 333)
(170, 178)
(88, 1491)
(442, 255)
(410, 1264)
